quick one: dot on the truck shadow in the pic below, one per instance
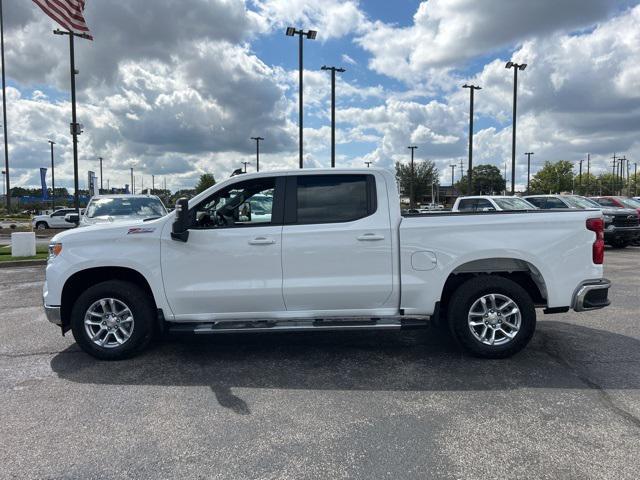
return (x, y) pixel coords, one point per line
(561, 355)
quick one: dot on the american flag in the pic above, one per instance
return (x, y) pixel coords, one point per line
(67, 13)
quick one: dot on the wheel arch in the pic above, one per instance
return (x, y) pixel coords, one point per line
(519, 271)
(80, 281)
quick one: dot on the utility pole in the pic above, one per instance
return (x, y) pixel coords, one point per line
(580, 176)
(153, 184)
(311, 35)
(245, 165)
(528, 154)
(635, 179)
(133, 191)
(257, 139)
(515, 67)
(588, 174)
(613, 174)
(100, 158)
(412, 148)
(4, 114)
(333, 110)
(472, 89)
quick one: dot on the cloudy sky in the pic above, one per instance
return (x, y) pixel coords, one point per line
(175, 88)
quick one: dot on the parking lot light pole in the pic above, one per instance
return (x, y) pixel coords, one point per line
(311, 35)
(580, 175)
(635, 179)
(333, 110)
(257, 139)
(132, 181)
(453, 173)
(516, 67)
(471, 88)
(411, 174)
(588, 174)
(368, 164)
(100, 158)
(528, 154)
(53, 179)
(245, 165)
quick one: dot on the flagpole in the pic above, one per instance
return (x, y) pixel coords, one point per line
(4, 112)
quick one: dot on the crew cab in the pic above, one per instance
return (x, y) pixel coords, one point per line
(316, 250)
(490, 203)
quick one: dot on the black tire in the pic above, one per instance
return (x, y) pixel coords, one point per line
(132, 296)
(464, 297)
(619, 243)
(42, 225)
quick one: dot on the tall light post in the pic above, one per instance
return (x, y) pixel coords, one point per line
(333, 71)
(311, 35)
(580, 175)
(588, 174)
(516, 67)
(368, 164)
(133, 188)
(528, 154)
(411, 173)
(4, 113)
(3, 184)
(100, 158)
(635, 179)
(471, 88)
(257, 139)
(245, 165)
(453, 173)
(53, 179)
(153, 184)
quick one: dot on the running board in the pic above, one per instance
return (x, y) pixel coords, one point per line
(298, 325)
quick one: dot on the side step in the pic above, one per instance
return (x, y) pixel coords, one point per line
(297, 325)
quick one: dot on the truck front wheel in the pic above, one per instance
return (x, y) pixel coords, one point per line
(492, 316)
(112, 320)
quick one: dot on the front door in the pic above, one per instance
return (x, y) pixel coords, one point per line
(231, 264)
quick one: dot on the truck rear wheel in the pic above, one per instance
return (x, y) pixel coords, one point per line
(492, 316)
(112, 320)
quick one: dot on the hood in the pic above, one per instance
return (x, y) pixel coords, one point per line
(110, 230)
(109, 219)
(618, 211)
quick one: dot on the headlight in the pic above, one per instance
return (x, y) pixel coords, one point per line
(608, 218)
(55, 249)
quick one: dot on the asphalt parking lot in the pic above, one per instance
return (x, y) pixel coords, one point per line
(342, 405)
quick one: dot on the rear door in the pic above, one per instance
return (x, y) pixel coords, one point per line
(336, 244)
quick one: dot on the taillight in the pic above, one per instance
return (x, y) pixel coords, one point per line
(597, 225)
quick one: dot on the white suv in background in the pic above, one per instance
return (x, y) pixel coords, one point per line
(120, 208)
(54, 220)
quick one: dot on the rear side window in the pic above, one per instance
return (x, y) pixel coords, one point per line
(606, 202)
(538, 202)
(334, 198)
(468, 205)
(553, 202)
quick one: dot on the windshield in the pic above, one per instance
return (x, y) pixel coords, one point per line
(126, 207)
(581, 202)
(514, 203)
(629, 202)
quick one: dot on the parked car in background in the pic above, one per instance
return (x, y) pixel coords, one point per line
(621, 225)
(330, 251)
(121, 208)
(618, 201)
(491, 203)
(56, 219)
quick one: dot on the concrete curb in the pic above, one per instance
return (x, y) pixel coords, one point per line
(22, 263)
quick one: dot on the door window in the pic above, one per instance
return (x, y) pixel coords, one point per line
(467, 205)
(483, 204)
(539, 202)
(606, 202)
(243, 204)
(334, 198)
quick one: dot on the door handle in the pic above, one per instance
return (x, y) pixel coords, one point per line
(370, 237)
(262, 241)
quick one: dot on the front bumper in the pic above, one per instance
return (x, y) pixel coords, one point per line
(53, 314)
(591, 295)
(629, 233)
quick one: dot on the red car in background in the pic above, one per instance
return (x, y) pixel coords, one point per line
(620, 202)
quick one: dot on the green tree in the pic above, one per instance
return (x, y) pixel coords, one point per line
(425, 174)
(206, 180)
(486, 179)
(553, 177)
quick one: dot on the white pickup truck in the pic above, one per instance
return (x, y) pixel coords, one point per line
(309, 250)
